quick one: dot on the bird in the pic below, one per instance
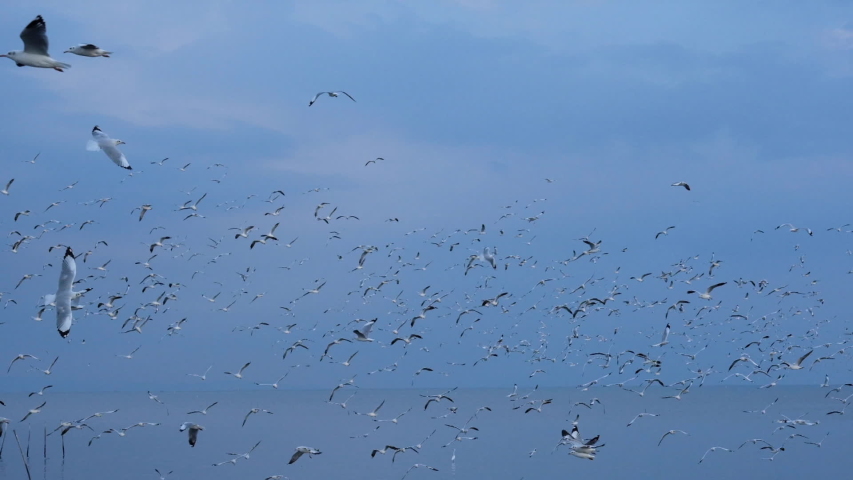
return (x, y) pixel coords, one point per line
(21, 356)
(671, 432)
(203, 412)
(681, 184)
(641, 415)
(40, 392)
(363, 335)
(63, 293)
(240, 373)
(418, 465)
(254, 410)
(192, 433)
(713, 449)
(665, 338)
(102, 141)
(34, 36)
(5, 191)
(33, 411)
(88, 50)
(798, 364)
(301, 451)
(707, 294)
(665, 231)
(331, 94)
(375, 411)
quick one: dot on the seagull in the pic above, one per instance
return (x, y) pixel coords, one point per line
(707, 294)
(193, 432)
(301, 451)
(418, 465)
(364, 334)
(88, 50)
(203, 377)
(671, 432)
(5, 191)
(331, 94)
(240, 373)
(102, 141)
(40, 392)
(681, 184)
(798, 364)
(640, 415)
(34, 36)
(254, 410)
(20, 357)
(665, 339)
(33, 411)
(375, 411)
(713, 449)
(203, 412)
(665, 231)
(63, 293)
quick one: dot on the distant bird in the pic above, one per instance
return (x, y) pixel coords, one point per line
(331, 94)
(5, 191)
(707, 294)
(713, 449)
(192, 433)
(254, 410)
(240, 373)
(671, 432)
(798, 365)
(22, 356)
(33, 411)
(88, 50)
(203, 412)
(681, 184)
(35, 53)
(102, 141)
(664, 232)
(665, 338)
(301, 451)
(363, 335)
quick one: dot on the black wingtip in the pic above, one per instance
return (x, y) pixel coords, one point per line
(64, 334)
(37, 22)
(96, 129)
(128, 167)
(68, 253)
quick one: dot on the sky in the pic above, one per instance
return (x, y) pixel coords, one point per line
(587, 111)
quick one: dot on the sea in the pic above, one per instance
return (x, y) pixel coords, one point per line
(508, 443)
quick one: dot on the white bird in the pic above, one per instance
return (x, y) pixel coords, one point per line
(681, 184)
(641, 415)
(5, 191)
(240, 373)
(254, 410)
(713, 449)
(102, 141)
(707, 294)
(665, 339)
(63, 293)
(21, 356)
(301, 451)
(33, 411)
(88, 50)
(798, 365)
(34, 36)
(331, 94)
(671, 432)
(363, 335)
(203, 412)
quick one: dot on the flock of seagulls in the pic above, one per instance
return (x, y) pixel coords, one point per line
(558, 322)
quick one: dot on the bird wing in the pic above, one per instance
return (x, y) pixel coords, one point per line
(712, 287)
(800, 361)
(347, 94)
(34, 36)
(115, 155)
(298, 453)
(367, 328)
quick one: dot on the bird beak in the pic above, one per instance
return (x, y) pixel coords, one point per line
(121, 142)
(7, 56)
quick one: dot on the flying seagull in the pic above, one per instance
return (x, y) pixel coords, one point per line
(64, 294)
(331, 94)
(88, 50)
(681, 184)
(102, 141)
(301, 451)
(35, 53)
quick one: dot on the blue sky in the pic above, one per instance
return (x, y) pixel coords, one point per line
(473, 104)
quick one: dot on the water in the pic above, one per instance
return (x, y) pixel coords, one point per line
(712, 415)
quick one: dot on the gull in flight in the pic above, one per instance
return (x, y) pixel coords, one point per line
(301, 451)
(20, 357)
(5, 191)
(707, 294)
(88, 50)
(363, 335)
(34, 36)
(665, 339)
(64, 294)
(203, 412)
(102, 141)
(331, 94)
(192, 431)
(641, 415)
(671, 432)
(713, 449)
(798, 364)
(240, 373)
(254, 410)
(681, 184)
(419, 465)
(33, 412)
